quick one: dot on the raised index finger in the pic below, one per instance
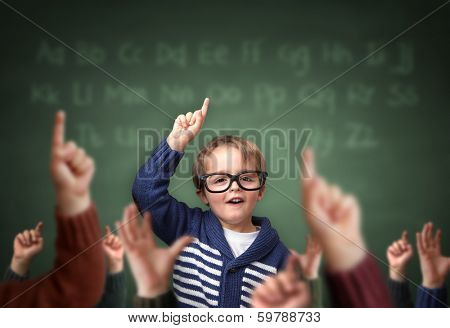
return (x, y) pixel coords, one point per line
(38, 227)
(205, 107)
(58, 129)
(308, 165)
(405, 236)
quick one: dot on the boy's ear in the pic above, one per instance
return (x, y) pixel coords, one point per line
(201, 194)
(261, 192)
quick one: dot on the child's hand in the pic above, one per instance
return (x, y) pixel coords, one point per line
(112, 246)
(26, 245)
(71, 169)
(151, 266)
(186, 127)
(285, 290)
(333, 218)
(310, 260)
(434, 266)
(398, 254)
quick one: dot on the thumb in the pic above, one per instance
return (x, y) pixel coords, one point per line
(107, 230)
(178, 245)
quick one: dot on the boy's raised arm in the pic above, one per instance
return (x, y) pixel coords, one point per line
(150, 188)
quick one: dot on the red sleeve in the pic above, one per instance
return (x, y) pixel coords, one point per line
(78, 276)
(363, 286)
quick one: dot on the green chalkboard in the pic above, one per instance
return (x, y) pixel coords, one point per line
(364, 83)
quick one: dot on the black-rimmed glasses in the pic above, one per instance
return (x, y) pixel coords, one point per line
(221, 182)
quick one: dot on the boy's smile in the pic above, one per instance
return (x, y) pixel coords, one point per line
(233, 207)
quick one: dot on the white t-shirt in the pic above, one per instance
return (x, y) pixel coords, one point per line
(240, 241)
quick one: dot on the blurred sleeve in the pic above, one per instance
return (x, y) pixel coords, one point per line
(431, 297)
(114, 295)
(78, 276)
(10, 275)
(401, 296)
(361, 287)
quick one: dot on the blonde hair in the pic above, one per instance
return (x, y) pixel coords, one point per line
(248, 149)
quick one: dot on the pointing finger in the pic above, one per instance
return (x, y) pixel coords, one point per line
(38, 228)
(58, 129)
(205, 107)
(405, 236)
(308, 166)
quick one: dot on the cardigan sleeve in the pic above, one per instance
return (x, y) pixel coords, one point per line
(171, 218)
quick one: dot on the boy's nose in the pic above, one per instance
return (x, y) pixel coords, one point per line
(234, 186)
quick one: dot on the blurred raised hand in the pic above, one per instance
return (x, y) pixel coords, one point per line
(399, 253)
(284, 290)
(333, 217)
(310, 260)
(113, 248)
(433, 264)
(150, 265)
(71, 170)
(27, 245)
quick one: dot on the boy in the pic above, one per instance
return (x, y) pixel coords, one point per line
(232, 251)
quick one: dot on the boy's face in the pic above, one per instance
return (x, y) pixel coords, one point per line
(236, 217)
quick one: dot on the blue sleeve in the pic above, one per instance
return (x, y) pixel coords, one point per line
(431, 298)
(171, 218)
